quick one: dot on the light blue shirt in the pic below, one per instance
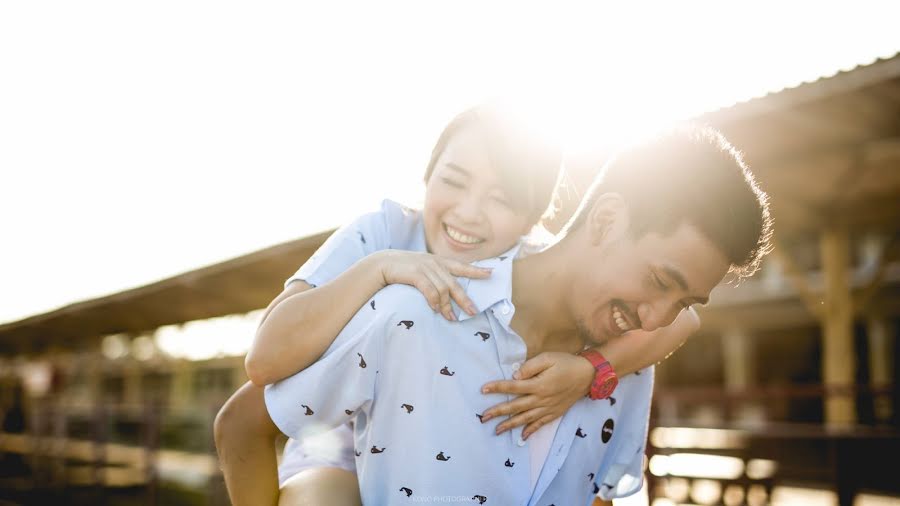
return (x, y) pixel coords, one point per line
(411, 381)
(391, 226)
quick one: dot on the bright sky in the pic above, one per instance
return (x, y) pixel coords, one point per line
(143, 139)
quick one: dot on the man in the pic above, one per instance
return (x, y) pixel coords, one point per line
(662, 227)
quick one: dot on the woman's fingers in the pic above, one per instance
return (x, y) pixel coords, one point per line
(534, 366)
(443, 298)
(513, 387)
(424, 285)
(520, 419)
(520, 403)
(457, 268)
(533, 427)
(456, 293)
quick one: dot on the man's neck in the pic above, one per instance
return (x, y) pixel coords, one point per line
(543, 317)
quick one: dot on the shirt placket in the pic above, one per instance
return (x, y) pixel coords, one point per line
(562, 443)
(511, 351)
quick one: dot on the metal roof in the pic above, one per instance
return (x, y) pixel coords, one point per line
(238, 285)
(826, 151)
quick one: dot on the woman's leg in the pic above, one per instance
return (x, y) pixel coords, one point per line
(321, 486)
(245, 440)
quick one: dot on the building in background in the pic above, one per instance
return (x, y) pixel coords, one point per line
(788, 389)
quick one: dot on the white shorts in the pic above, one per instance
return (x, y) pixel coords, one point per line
(330, 449)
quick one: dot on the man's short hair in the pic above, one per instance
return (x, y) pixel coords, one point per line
(689, 174)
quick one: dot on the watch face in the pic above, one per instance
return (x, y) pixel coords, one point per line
(605, 389)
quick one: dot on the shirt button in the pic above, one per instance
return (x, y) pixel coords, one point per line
(521, 442)
(515, 366)
(505, 309)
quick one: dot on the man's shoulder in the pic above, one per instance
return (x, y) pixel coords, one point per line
(398, 299)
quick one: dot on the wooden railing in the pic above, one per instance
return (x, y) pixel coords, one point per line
(841, 458)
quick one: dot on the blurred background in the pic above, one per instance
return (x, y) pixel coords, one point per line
(168, 165)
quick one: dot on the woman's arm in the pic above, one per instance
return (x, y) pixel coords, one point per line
(637, 350)
(302, 322)
(548, 384)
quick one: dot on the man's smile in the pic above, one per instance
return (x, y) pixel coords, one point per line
(623, 319)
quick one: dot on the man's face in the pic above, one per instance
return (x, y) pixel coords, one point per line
(643, 283)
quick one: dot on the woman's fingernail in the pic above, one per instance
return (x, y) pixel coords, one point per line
(516, 375)
(485, 418)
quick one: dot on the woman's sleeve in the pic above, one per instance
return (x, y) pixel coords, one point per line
(334, 389)
(346, 246)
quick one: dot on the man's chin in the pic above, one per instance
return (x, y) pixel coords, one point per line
(588, 338)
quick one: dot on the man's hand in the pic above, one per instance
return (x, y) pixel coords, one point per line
(547, 386)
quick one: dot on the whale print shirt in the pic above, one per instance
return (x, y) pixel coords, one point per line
(411, 382)
(391, 226)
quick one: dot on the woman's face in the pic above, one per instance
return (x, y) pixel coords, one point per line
(467, 214)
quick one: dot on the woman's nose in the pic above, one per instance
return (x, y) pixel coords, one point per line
(469, 210)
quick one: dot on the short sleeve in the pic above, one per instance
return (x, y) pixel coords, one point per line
(331, 391)
(623, 467)
(346, 246)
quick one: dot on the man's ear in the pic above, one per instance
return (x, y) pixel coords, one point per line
(608, 217)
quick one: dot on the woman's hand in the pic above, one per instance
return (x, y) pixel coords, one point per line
(547, 386)
(432, 275)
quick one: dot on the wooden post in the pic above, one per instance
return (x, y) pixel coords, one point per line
(839, 360)
(881, 364)
(738, 357)
(131, 383)
(181, 393)
(739, 368)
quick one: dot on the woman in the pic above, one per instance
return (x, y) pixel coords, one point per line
(488, 183)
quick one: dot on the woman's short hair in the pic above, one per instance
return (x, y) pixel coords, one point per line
(527, 165)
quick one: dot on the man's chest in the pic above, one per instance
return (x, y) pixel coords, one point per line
(424, 430)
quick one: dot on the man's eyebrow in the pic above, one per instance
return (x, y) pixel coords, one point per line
(676, 275)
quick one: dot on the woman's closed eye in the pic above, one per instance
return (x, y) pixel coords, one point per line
(502, 200)
(453, 183)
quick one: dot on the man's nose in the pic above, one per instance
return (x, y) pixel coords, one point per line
(654, 316)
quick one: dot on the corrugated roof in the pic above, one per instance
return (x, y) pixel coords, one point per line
(841, 80)
(808, 145)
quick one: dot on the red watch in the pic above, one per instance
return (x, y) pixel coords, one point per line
(605, 379)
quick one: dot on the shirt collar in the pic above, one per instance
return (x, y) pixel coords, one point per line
(497, 287)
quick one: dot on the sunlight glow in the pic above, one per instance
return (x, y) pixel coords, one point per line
(760, 469)
(695, 465)
(689, 437)
(145, 140)
(204, 339)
